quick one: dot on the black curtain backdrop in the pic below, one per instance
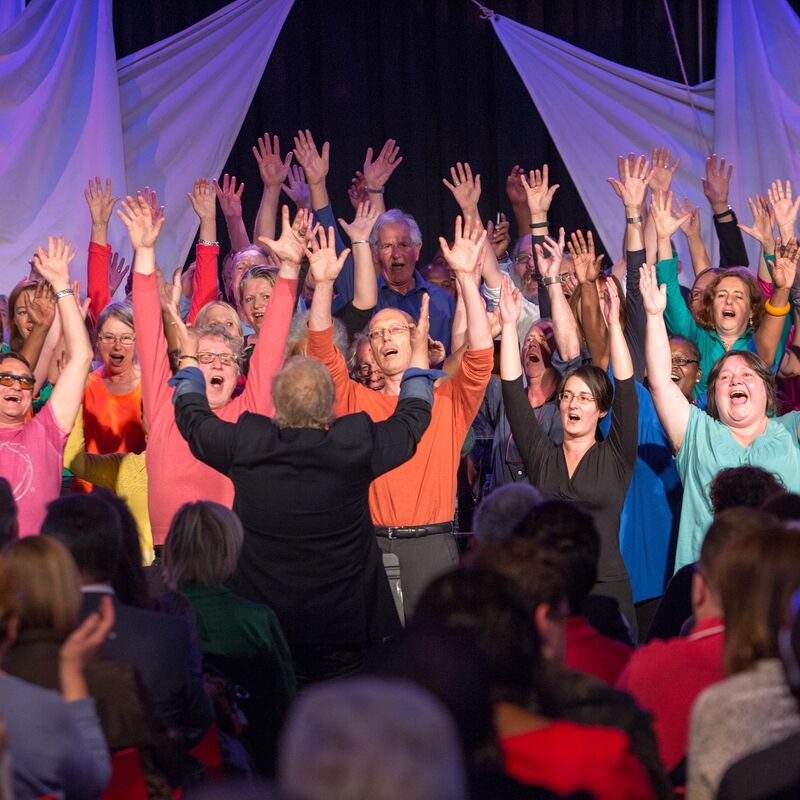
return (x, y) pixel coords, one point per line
(431, 74)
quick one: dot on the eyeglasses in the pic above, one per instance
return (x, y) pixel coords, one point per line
(366, 370)
(387, 247)
(583, 398)
(380, 334)
(126, 340)
(25, 381)
(224, 358)
(680, 361)
(523, 258)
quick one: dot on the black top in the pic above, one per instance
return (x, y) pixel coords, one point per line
(309, 551)
(600, 480)
(771, 774)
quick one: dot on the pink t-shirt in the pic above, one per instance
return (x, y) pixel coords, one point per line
(31, 458)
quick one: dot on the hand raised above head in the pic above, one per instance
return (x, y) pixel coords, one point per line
(377, 173)
(466, 189)
(53, 264)
(510, 302)
(654, 297)
(467, 246)
(324, 264)
(229, 197)
(101, 203)
(315, 163)
(290, 248)
(662, 213)
(272, 169)
(143, 226)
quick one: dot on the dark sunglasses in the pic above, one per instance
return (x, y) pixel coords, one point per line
(25, 381)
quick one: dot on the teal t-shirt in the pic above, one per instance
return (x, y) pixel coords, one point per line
(708, 447)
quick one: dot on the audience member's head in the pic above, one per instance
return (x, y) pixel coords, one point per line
(303, 394)
(48, 585)
(9, 606)
(370, 738)
(91, 530)
(203, 545)
(9, 523)
(744, 486)
(757, 574)
(447, 663)
(492, 609)
(785, 506)
(500, 512)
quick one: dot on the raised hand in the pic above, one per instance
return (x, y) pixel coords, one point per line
(273, 171)
(538, 191)
(466, 189)
(611, 304)
(691, 227)
(763, 227)
(230, 198)
(584, 261)
(143, 227)
(361, 227)
(117, 270)
(296, 187)
(499, 235)
(515, 191)
(151, 198)
(550, 267)
(42, 305)
(169, 294)
(635, 177)
(436, 352)
(377, 172)
(291, 247)
(324, 264)
(661, 211)
(53, 264)
(358, 190)
(465, 254)
(185, 334)
(314, 163)
(785, 209)
(785, 269)
(202, 199)
(101, 203)
(654, 297)
(662, 173)
(717, 183)
(510, 302)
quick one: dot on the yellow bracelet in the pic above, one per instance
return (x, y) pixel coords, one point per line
(777, 312)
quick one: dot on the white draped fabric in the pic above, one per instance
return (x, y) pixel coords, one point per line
(162, 116)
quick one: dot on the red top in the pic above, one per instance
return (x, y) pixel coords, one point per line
(175, 476)
(666, 677)
(591, 652)
(566, 757)
(97, 279)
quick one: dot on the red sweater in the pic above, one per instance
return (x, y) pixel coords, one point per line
(591, 652)
(566, 757)
(666, 677)
(174, 475)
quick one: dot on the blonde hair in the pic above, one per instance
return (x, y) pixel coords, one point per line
(303, 394)
(48, 584)
(201, 320)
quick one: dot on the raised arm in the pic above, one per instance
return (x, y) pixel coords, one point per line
(53, 264)
(376, 173)
(773, 323)
(785, 208)
(672, 407)
(466, 190)
(101, 205)
(716, 185)
(587, 271)
(694, 237)
(41, 313)
(315, 164)
(539, 196)
(510, 309)
(763, 231)
(365, 293)
(620, 355)
(565, 326)
(518, 198)
(274, 172)
(204, 281)
(463, 259)
(230, 202)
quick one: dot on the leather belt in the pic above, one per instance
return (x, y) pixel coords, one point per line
(413, 531)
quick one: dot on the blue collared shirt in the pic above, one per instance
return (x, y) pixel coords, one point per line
(442, 305)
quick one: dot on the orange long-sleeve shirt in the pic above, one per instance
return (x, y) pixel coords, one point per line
(422, 491)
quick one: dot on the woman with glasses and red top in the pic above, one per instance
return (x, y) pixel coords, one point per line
(594, 474)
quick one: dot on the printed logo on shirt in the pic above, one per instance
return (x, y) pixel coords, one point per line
(19, 451)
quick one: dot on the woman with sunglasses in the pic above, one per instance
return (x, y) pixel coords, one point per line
(31, 450)
(594, 474)
(175, 476)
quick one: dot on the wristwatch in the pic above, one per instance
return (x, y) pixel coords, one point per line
(554, 279)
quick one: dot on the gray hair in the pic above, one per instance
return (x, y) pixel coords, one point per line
(200, 319)
(121, 311)
(203, 545)
(397, 217)
(303, 394)
(352, 353)
(269, 274)
(501, 511)
(219, 331)
(376, 738)
(298, 334)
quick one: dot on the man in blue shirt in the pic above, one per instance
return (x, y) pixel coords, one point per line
(396, 242)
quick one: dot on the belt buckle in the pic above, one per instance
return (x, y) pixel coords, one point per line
(390, 533)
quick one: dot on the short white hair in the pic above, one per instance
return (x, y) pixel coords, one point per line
(394, 216)
(376, 738)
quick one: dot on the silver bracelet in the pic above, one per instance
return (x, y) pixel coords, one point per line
(551, 281)
(63, 293)
(208, 244)
(375, 191)
(360, 241)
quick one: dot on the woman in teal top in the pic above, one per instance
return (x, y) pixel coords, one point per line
(738, 428)
(734, 314)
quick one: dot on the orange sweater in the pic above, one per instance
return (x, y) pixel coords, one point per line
(422, 491)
